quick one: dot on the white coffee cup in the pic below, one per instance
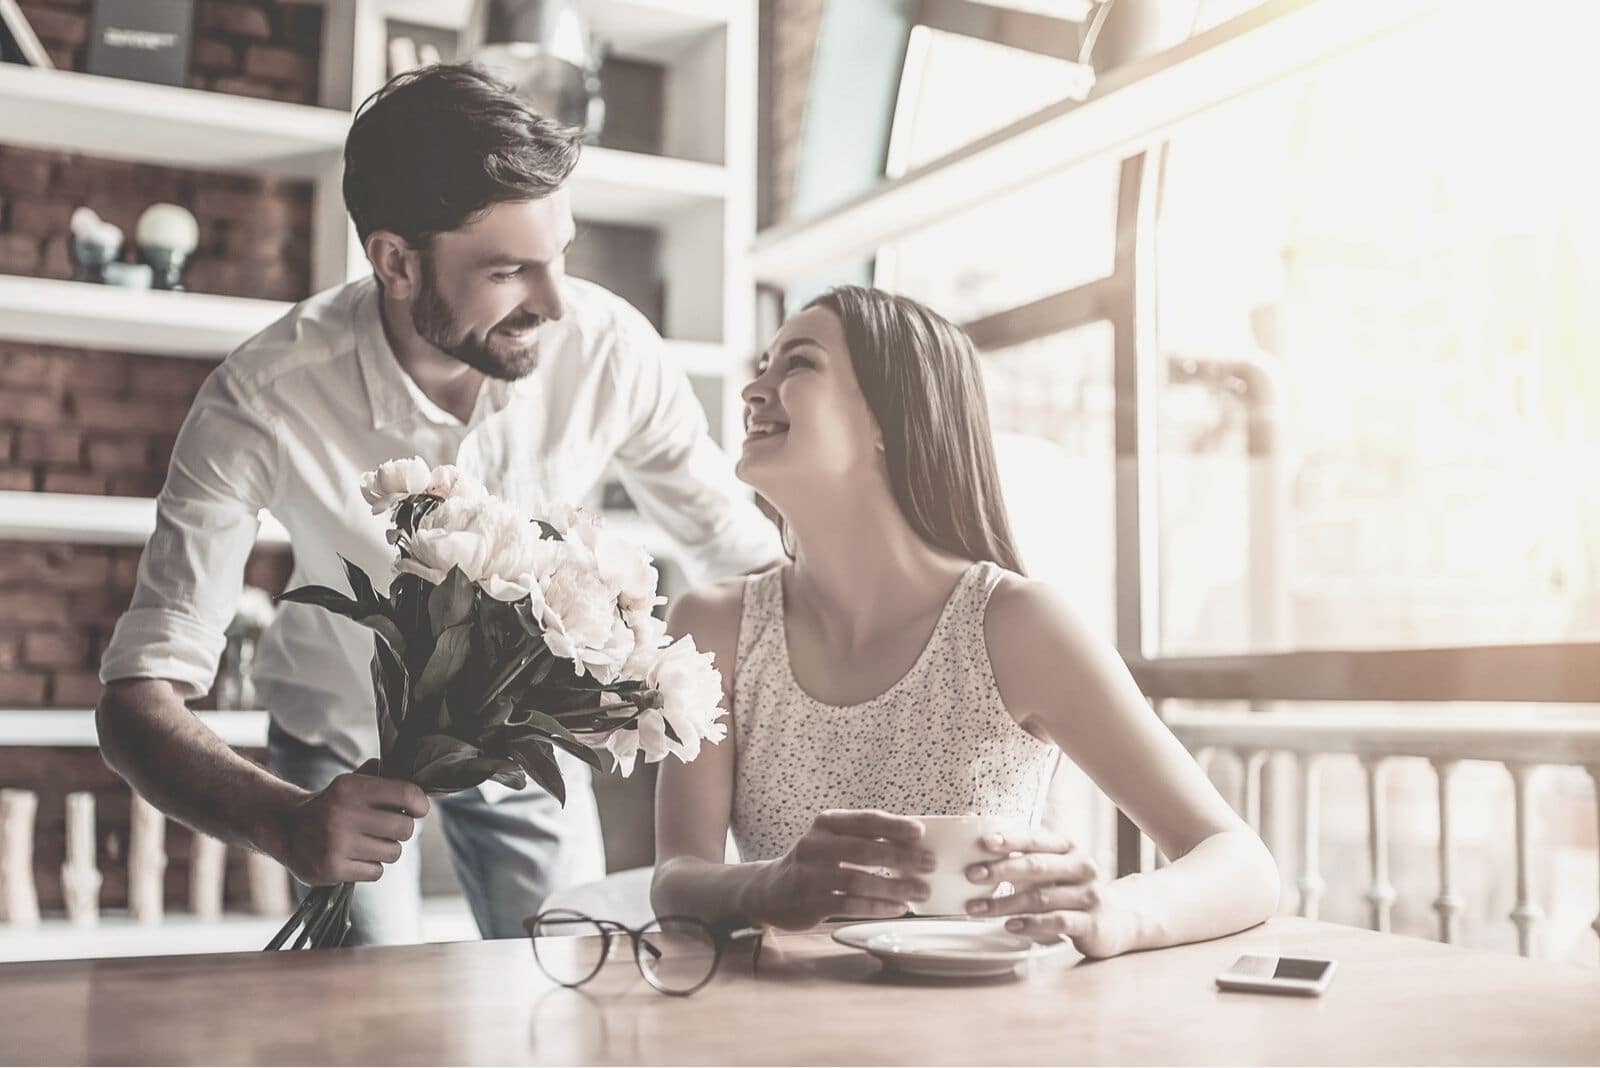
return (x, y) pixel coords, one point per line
(956, 845)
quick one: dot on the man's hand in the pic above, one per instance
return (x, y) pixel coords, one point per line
(351, 829)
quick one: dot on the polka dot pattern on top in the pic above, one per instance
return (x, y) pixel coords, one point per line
(937, 742)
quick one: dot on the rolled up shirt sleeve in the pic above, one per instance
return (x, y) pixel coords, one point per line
(224, 471)
(677, 475)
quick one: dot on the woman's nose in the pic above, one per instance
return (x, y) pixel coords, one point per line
(755, 394)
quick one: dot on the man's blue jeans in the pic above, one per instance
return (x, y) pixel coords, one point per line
(506, 854)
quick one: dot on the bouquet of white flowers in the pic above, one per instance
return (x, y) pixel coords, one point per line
(503, 636)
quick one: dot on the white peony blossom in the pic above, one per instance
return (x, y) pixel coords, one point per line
(691, 698)
(622, 563)
(580, 618)
(394, 481)
(450, 482)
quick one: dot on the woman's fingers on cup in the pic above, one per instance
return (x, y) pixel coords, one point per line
(887, 888)
(1036, 867)
(1052, 926)
(869, 823)
(1030, 841)
(1039, 899)
(873, 854)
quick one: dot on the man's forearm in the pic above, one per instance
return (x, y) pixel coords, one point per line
(175, 762)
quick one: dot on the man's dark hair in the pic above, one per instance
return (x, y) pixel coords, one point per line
(439, 144)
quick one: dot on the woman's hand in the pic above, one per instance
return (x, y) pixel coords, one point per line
(1058, 893)
(811, 883)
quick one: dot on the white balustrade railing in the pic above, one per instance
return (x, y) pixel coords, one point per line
(1521, 746)
(81, 877)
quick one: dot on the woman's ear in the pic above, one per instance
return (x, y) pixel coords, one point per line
(397, 265)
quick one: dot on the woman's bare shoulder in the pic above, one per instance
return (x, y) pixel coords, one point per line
(710, 613)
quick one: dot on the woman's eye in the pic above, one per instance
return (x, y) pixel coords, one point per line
(797, 362)
(505, 276)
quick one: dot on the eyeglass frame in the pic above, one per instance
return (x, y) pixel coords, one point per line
(720, 938)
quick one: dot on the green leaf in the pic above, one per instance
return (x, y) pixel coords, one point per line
(548, 532)
(512, 776)
(448, 656)
(449, 764)
(536, 758)
(550, 725)
(666, 726)
(443, 750)
(386, 629)
(388, 731)
(581, 751)
(361, 586)
(451, 601)
(329, 599)
(392, 688)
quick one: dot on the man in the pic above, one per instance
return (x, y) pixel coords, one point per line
(467, 345)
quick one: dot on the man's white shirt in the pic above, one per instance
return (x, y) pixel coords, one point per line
(289, 422)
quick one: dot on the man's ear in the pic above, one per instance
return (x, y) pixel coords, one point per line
(397, 265)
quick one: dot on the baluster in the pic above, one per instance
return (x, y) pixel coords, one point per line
(1448, 903)
(1527, 913)
(19, 901)
(269, 886)
(1380, 894)
(147, 862)
(1594, 773)
(80, 876)
(1250, 763)
(208, 863)
(1311, 884)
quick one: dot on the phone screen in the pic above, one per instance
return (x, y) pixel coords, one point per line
(1302, 969)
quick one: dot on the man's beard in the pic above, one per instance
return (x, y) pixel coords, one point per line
(435, 322)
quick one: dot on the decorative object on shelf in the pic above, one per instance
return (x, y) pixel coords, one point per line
(143, 40)
(503, 637)
(544, 50)
(167, 236)
(95, 245)
(18, 42)
(129, 275)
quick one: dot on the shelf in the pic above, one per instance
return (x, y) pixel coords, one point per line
(84, 315)
(74, 727)
(642, 190)
(657, 30)
(87, 519)
(115, 118)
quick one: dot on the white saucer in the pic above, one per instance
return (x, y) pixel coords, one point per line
(957, 948)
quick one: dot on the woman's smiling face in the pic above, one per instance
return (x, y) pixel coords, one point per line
(806, 421)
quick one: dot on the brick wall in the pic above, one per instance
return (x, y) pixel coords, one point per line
(104, 422)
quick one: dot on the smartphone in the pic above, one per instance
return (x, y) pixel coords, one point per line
(1305, 976)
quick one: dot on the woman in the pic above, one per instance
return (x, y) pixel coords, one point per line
(901, 663)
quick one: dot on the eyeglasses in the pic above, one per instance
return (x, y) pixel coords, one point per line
(676, 954)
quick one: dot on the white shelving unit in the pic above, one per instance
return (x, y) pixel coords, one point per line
(700, 196)
(73, 314)
(118, 119)
(85, 519)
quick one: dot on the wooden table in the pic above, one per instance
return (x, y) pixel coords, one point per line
(1394, 1000)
